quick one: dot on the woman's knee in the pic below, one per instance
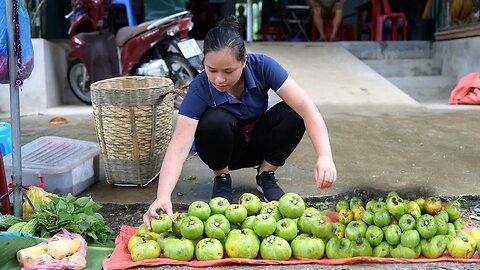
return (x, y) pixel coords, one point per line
(216, 119)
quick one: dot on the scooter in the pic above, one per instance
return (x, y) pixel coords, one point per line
(160, 47)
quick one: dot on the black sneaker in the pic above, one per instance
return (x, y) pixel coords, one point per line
(267, 185)
(222, 187)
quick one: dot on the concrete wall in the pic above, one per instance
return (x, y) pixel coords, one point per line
(41, 89)
(460, 56)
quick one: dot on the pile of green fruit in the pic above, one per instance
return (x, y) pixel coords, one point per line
(280, 230)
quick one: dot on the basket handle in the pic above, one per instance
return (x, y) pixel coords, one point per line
(179, 91)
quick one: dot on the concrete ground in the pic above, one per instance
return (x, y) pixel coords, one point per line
(382, 139)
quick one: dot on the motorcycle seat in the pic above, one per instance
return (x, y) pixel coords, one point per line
(127, 32)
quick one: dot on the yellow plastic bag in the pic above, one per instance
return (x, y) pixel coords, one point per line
(35, 194)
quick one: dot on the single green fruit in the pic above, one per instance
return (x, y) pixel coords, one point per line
(382, 250)
(345, 216)
(146, 249)
(217, 226)
(291, 205)
(361, 247)
(426, 226)
(406, 222)
(179, 249)
(264, 225)
(339, 248)
(396, 206)
(434, 247)
(342, 204)
(248, 223)
(305, 246)
(368, 217)
(355, 230)
(161, 224)
(275, 248)
(199, 209)
(192, 228)
(236, 213)
(382, 218)
(252, 203)
(413, 209)
(355, 201)
(218, 205)
(242, 244)
(392, 234)
(209, 249)
(286, 228)
(271, 209)
(374, 235)
(410, 238)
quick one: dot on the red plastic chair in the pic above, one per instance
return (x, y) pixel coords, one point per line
(394, 17)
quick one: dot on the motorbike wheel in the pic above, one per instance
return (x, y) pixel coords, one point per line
(180, 72)
(78, 80)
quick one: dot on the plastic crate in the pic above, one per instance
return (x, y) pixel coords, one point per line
(66, 165)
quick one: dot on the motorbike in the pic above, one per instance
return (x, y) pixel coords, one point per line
(159, 47)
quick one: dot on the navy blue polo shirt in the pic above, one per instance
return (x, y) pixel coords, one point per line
(262, 73)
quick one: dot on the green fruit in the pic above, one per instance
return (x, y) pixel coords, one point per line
(459, 224)
(421, 204)
(199, 209)
(177, 221)
(392, 234)
(252, 203)
(345, 216)
(426, 226)
(370, 205)
(413, 209)
(179, 249)
(209, 249)
(264, 225)
(374, 235)
(161, 224)
(442, 227)
(322, 227)
(377, 206)
(142, 230)
(355, 201)
(312, 211)
(133, 241)
(305, 246)
(406, 222)
(275, 248)
(368, 217)
(382, 250)
(242, 244)
(361, 247)
(453, 208)
(271, 209)
(381, 218)
(192, 228)
(434, 247)
(218, 205)
(391, 194)
(443, 215)
(163, 237)
(236, 213)
(396, 206)
(248, 223)
(451, 230)
(146, 249)
(217, 226)
(286, 228)
(342, 204)
(306, 222)
(410, 238)
(355, 230)
(460, 247)
(405, 252)
(291, 205)
(339, 248)
(337, 230)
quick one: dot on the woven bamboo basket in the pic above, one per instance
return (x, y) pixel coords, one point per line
(133, 122)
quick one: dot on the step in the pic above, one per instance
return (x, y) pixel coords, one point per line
(406, 67)
(389, 49)
(426, 88)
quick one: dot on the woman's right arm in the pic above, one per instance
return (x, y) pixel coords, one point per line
(175, 156)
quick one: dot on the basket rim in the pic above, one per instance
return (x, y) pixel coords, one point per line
(110, 82)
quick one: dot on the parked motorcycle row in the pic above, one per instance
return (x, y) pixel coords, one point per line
(161, 47)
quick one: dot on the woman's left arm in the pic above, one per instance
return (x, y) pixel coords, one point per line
(325, 172)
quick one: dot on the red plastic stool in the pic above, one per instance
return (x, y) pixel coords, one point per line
(271, 31)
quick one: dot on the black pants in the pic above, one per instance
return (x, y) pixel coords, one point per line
(220, 141)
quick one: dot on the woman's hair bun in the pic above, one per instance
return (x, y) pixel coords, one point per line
(231, 22)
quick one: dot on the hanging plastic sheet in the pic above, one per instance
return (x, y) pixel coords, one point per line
(23, 43)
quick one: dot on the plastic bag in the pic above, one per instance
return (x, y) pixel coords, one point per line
(25, 43)
(77, 261)
(36, 195)
(467, 90)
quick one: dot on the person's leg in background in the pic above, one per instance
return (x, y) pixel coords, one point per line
(337, 19)
(316, 12)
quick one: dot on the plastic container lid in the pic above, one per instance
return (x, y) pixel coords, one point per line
(54, 155)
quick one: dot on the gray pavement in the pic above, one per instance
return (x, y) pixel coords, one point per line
(382, 139)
